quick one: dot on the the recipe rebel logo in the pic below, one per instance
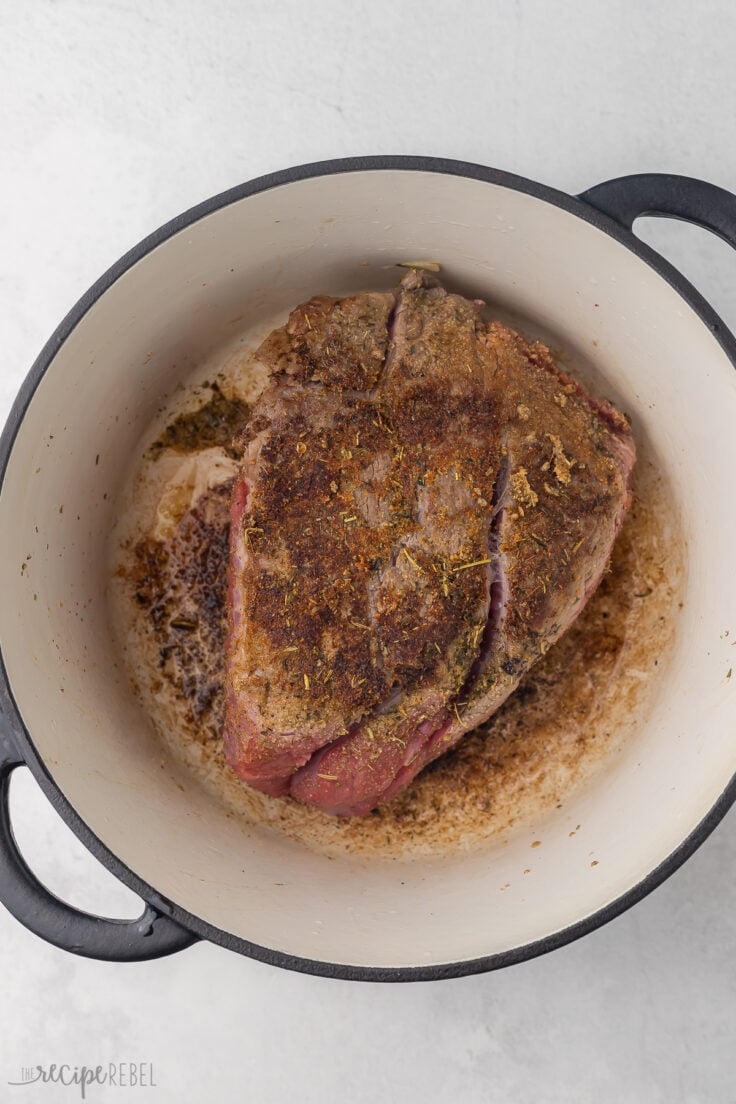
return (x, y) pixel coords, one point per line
(118, 1075)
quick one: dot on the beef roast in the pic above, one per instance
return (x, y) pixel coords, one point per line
(425, 504)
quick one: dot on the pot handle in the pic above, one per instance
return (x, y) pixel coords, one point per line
(682, 197)
(151, 935)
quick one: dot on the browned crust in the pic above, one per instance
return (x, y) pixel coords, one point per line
(372, 465)
(349, 608)
(570, 499)
(337, 342)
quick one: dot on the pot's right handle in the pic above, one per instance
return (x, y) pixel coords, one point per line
(151, 935)
(682, 197)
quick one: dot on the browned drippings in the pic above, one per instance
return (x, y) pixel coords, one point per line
(565, 720)
(216, 422)
(180, 588)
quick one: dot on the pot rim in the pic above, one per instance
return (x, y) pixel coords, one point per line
(11, 713)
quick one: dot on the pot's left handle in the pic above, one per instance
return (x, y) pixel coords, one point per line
(151, 935)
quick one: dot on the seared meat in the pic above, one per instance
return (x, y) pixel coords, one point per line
(425, 504)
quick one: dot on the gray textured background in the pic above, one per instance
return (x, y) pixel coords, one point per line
(114, 116)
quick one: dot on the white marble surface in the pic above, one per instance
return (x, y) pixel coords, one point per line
(116, 116)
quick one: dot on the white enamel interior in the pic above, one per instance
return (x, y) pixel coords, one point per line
(248, 261)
